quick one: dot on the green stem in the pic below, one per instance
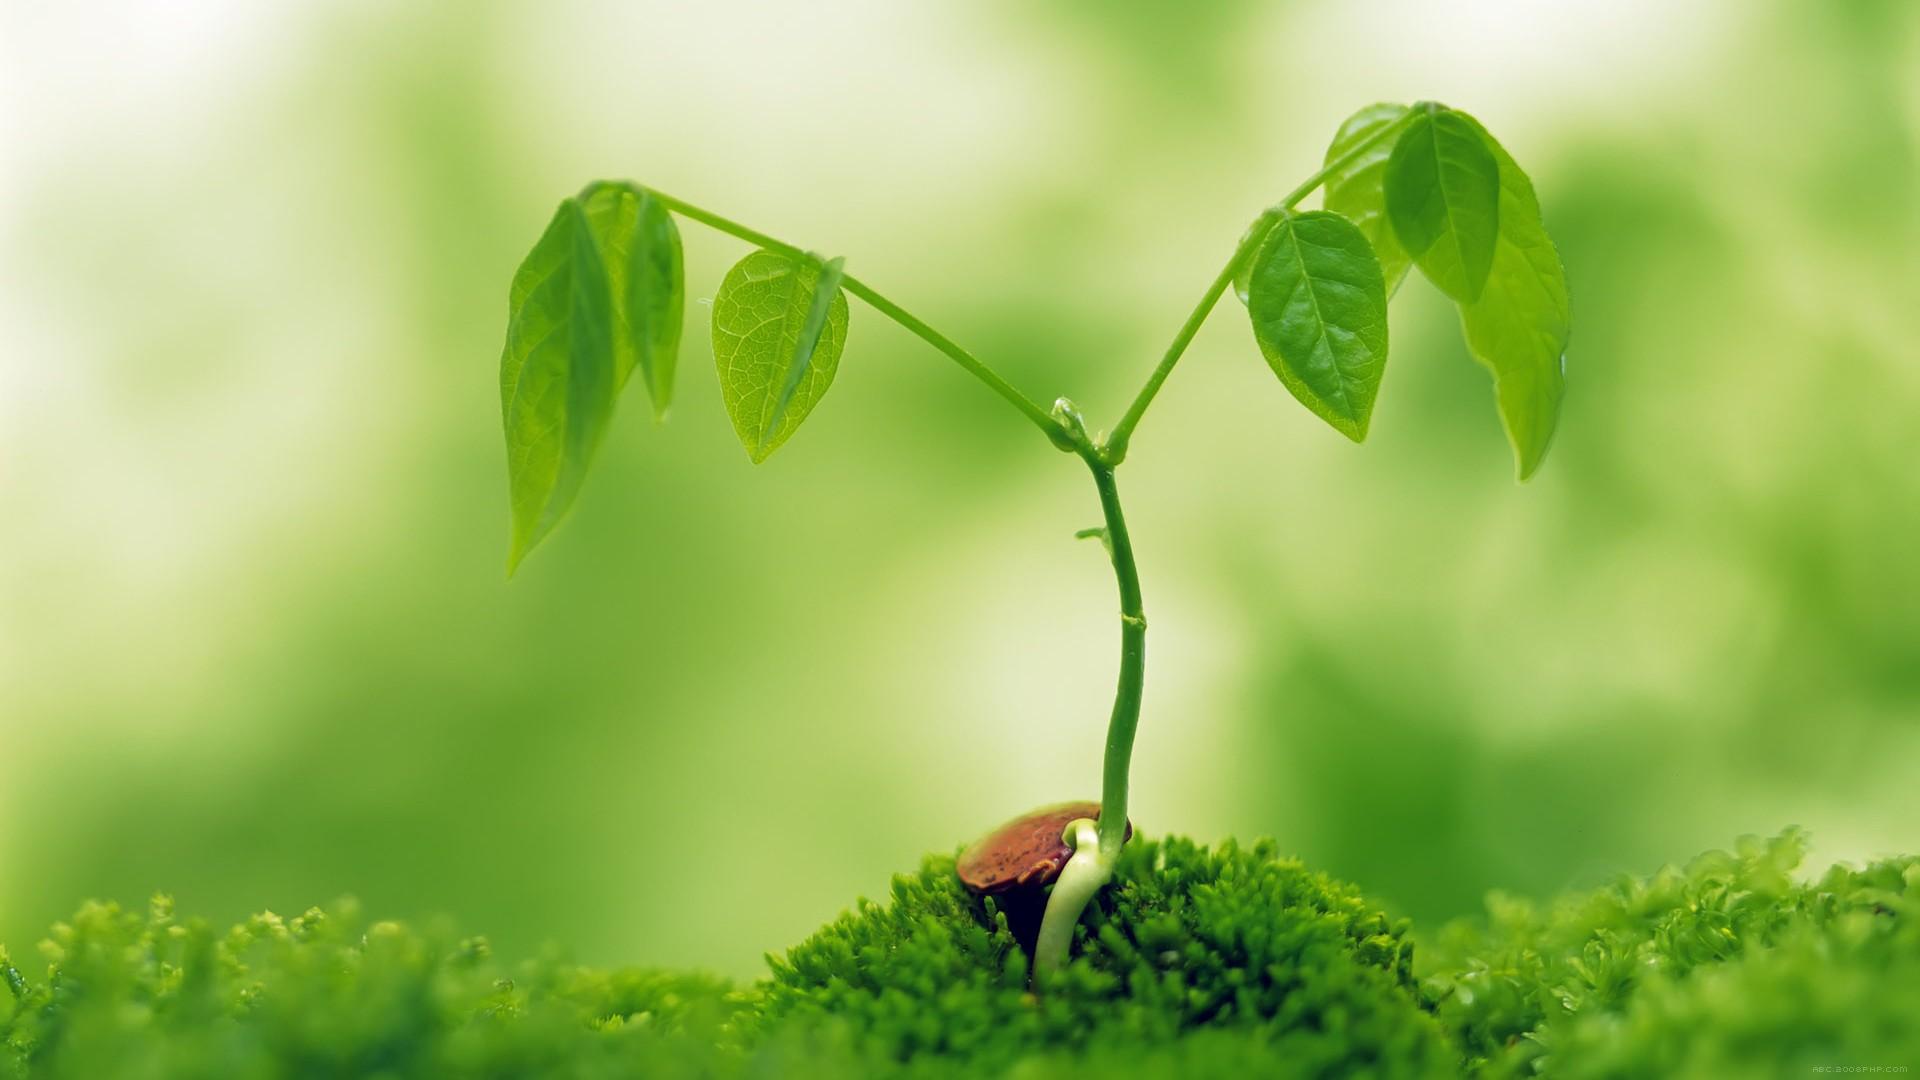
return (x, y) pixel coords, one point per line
(727, 225)
(967, 361)
(958, 355)
(1097, 845)
(1133, 666)
(1344, 161)
(1115, 450)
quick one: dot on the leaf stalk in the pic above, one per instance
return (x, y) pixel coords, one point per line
(1115, 449)
(968, 362)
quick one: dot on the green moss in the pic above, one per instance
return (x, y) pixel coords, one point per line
(325, 994)
(1196, 963)
(1278, 965)
(1728, 966)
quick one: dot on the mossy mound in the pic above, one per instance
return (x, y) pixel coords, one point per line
(1197, 962)
(1725, 967)
(1280, 967)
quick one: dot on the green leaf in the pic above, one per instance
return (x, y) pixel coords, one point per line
(760, 318)
(1520, 324)
(557, 374)
(1358, 192)
(1319, 306)
(645, 272)
(1443, 196)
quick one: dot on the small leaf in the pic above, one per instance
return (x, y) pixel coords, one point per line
(656, 298)
(1319, 308)
(1519, 326)
(645, 271)
(557, 374)
(1442, 189)
(1358, 192)
(759, 320)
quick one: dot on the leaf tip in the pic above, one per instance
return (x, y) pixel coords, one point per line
(525, 538)
(1475, 286)
(1527, 462)
(1529, 454)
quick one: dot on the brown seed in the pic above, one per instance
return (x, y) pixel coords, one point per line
(1026, 853)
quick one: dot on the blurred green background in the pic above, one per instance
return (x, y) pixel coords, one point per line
(256, 647)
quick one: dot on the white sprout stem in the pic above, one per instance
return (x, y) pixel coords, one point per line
(1085, 874)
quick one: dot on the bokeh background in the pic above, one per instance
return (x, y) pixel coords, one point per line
(257, 649)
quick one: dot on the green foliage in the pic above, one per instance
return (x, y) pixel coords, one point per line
(1319, 307)
(1443, 196)
(557, 375)
(776, 358)
(602, 294)
(1726, 967)
(1357, 190)
(640, 246)
(1519, 326)
(1430, 181)
(599, 295)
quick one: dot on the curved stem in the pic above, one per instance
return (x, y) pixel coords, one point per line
(1116, 447)
(1341, 163)
(1096, 846)
(726, 225)
(1133, 666)
(967, 361)
(1085, 874)
(958, 355)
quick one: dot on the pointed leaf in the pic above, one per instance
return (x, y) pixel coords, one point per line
(759, 321)
(557, 374)
(1443, 196)
(656, 299)
(1358, 191)
(645, 271)
(1319, 308)
(611, 210)
(1520, 324)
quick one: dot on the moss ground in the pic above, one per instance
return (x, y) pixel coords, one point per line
(1227, 961)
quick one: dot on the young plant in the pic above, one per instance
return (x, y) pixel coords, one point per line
(601, 297)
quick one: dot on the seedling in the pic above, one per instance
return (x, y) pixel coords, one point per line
(601, 298)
